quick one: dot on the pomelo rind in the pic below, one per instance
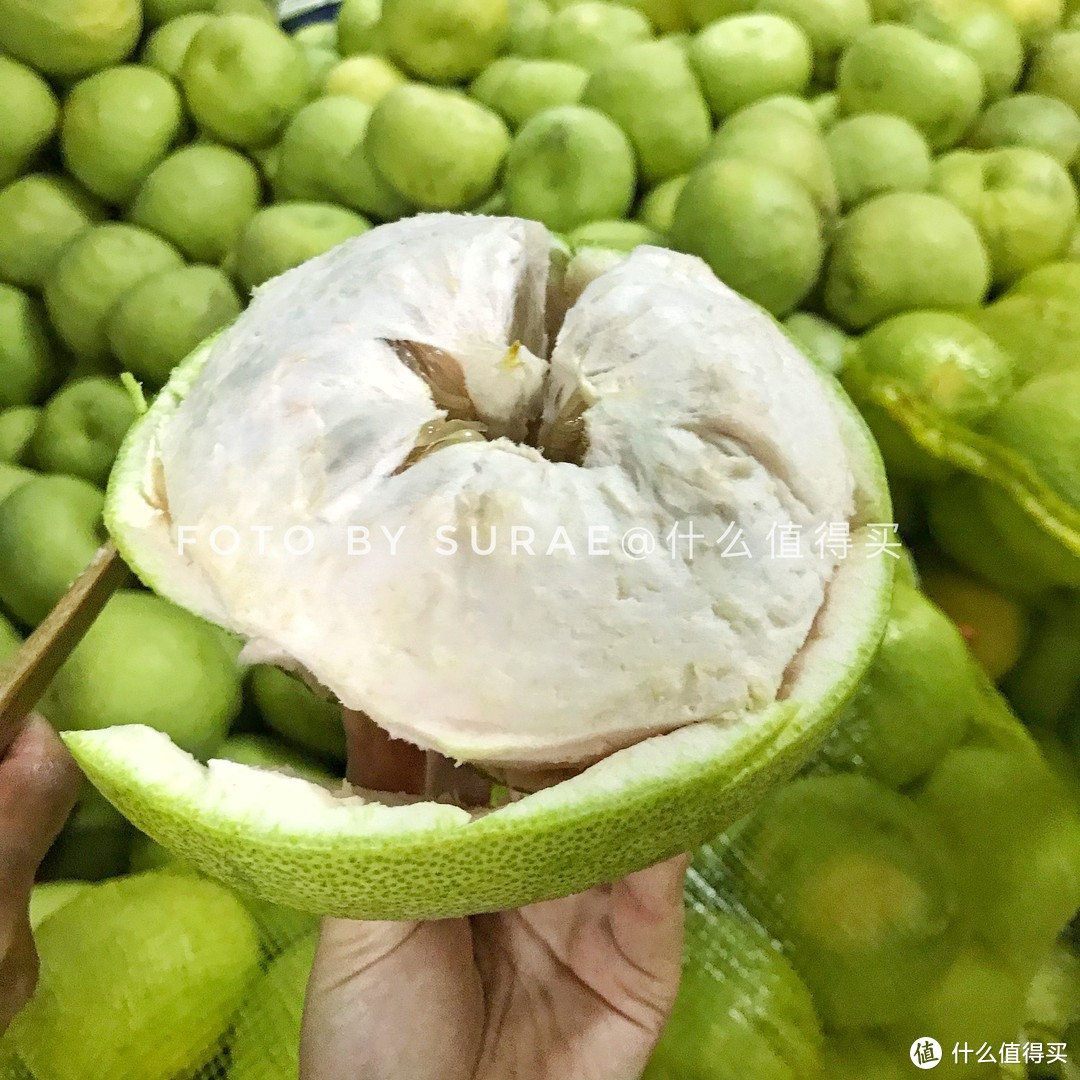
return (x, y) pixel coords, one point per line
(284, 840)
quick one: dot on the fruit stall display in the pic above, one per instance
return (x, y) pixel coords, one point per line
(895, 181)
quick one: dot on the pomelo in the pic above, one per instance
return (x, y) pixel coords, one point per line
(641, 781)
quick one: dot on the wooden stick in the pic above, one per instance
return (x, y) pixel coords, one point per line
(27, 675)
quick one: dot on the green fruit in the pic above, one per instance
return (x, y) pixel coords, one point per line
(1055, 69)
(744, 58)
(437, 148)
(978, 1001)
(162, 12)
(961, 528)
(199, 198)
(29, 119)
(147, 662)
(621, 236)
(366, 78)
(265, 752)
(826, 109)
(10, 639)
(994, 627)
(16, 429)
(903, 719)
(657, 207)
(92, 274)
(1034, 18)
(741, 1010)
(165, 316)
(873, 154)
(28, 369)
(49, 532)
(445, 41)
(939, 360)
(69, 38)
(593, 32)
(1031, 120)
(118, 124)
(52, 896)
(322, 157)
(1036, 424)
(856, 881)
(519, 89)
(773, 133)
(94, 844)
(296, 713)
(360, 28)
(1046, 678)
(527, 34)
(266, 1042)
(167, 46)
(755, 226)
(568, 166)
(861, 1057)
(831, 26)
(1038, 320)
(651, 93)
(243, 79)
(1015, 843)
(1022, 201)
(668, 17)
(81, 429)
(902, 251)
(281, 237)
(822, 341)
(123, 956)
(12, 477)
(894, 69)
(40, 215)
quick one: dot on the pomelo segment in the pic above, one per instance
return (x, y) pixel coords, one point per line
(285, 840)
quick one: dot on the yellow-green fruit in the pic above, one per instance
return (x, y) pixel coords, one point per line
(445, 41)
(93, 273)
(163, 12)
(861, 1057)
(568, 166)
(155, 965)
(657, 207)
(266, 1042)
(994, 627)
(243, 79)
(266, 752)
(28, 368)
(167, 46)
(10, 639)
(592, 32)
(12, 477)
(81, 428)
(1038, 424)
(94, 844)
(617, 235)
(69, 38)
(16, 429)
(831, 26)
(49, 531)
(916, 701)
(438, 149)
(873, 154)
(359, 27)
(368, 78)
(29, 118)
(742, 1011)
(118, 124)
(755, 226)
(903, 251)
(296, 713)
(518, 89)
(277, 238)
(145, 661)
(1055, 69)
(159, 321)
(200, 198)
(651, 93)
(894, 69)
(1032, 120)
(40, 215)
(51, 896)
(822, 341)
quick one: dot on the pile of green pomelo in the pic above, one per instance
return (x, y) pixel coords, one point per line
(895, 180)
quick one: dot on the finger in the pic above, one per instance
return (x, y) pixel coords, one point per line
(647, 921)
(18, 973)
(39, 783)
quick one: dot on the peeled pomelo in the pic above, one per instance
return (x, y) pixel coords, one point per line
(662, 742)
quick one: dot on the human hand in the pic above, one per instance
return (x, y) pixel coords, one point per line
(39, 783)
(571, 989)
